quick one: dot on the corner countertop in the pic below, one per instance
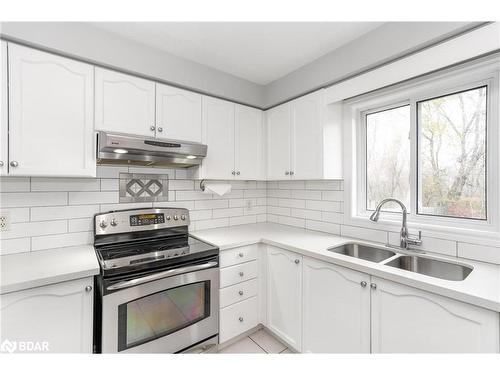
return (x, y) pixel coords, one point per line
(480, 288)
(38, 268)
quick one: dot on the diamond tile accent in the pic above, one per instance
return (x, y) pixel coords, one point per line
(136, 187)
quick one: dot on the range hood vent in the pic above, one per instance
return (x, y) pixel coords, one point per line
(134, 150)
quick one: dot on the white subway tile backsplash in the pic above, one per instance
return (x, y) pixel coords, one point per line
(332, 195)
(200, 215)
(322, 226)
(324, 185)
(65, 184)
(15, 245)
(255, 193)
(63, 212)
(292, 203)
(93, 197)
(108, 171)
(123, 206)
(236, 202)
(17, 215)
(332, 217)
(429, 244)
(364, 233)
(324, 206)
(110, 184)
(206, 204)
(239, 220)
(35, 229)
(9, 200)
(482, 253)
(291, 184)
(153, 170)
(213, 223)
(306, 214)
(276, 193)
(14, 184)
(255, 210)
(192, 195)
(306, 194)
(81, 225)
(287, 220)
(283, 211)
(227, 212)
(180, 184)
(61, 240)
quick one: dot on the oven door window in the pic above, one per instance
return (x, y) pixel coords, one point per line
(163, 313)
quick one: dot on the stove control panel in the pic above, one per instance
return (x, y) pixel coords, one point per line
(140, 219)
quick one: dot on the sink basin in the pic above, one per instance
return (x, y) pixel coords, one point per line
(373, 254)
(431, 267)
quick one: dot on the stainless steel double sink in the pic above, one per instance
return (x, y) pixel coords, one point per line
(413, 263)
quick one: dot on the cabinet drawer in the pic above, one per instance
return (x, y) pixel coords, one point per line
(238, 318)
(238, 292)
(236, 274)
(238, 255)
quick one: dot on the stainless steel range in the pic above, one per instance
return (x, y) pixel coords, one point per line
(157, 291)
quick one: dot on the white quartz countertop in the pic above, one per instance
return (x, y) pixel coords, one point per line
(481, 287)
(38, 268)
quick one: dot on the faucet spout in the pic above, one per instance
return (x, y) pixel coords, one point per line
(404, 236)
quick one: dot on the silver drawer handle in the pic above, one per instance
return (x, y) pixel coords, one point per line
(88, 288)
(241, 274)
(240, 292)
(297, 261)
(160, 275)
(14, 163)
(240, 319)
(152, 128)
(373, 286)
(241, 255)
(160, 129)
(1, 163)
(363, 284)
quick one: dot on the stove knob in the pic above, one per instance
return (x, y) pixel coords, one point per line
(183, 217)
(168, 217)
(103, 224)
(113, 223)
(176, 217)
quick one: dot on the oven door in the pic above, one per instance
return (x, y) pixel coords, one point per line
(164, 315)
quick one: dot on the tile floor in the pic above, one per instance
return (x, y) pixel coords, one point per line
(259, 342)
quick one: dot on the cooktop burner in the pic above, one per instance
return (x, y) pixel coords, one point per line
(161, 239)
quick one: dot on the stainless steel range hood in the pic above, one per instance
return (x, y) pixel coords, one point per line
(135, 150)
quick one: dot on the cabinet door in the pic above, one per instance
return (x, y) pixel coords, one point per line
(218, 135)
(178, 114)
(123, 103)
(59, 315)
(336, 309)
(4, 132)
(409, 320)
(50, 115)
(248, 143)
(278, 142)
(306, 137)
(284, 295)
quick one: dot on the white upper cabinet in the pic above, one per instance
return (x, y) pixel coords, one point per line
(4, 130)
(178, 114)
(306, 137)
(50, 115)
(218, 135)
(284, 295)
(248, 143)
(408, 320)
(278, 142)
(336, 309)
(124, 103)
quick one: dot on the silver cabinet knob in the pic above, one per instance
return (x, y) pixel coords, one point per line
(287, 173)
(240, 319)
(160, 129)
(14, 163)
(297, 261)
(103, 224)
(240, 292)
(363, 284)
(1, 163)
(233, 173)
(291, 173)
(241, 255)
(113, 223)
(373, 286)
(238, 173)
(152, 128)
(88, 288)
(241, 274)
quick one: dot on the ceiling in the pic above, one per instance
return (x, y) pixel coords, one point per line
(259, 52)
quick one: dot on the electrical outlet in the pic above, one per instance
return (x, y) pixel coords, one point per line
(4, 222)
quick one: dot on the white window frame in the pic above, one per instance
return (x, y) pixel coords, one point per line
(483, 73)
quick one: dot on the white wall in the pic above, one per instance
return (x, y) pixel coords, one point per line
(385, 43)
(83, 41)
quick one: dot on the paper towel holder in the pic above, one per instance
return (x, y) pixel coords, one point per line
(202, 185)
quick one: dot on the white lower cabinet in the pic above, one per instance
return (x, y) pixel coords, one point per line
(336, 309)
(409, 320)
(238, 318)
(284, 295)
(60, 318)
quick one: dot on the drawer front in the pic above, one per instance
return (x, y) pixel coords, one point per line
(238, 255)
(238, 292)
(238, 318)
(236, 274)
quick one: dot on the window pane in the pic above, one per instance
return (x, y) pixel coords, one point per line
(388, 157)
(452, 172)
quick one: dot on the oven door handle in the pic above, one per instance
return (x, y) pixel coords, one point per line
(160, 275)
